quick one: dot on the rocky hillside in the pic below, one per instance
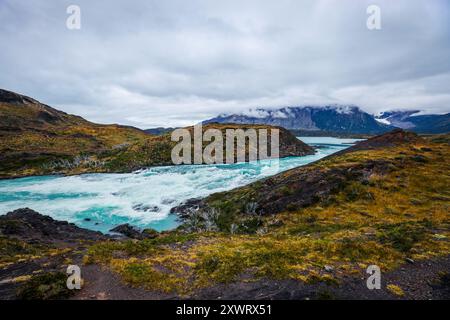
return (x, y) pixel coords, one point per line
(305, 186)
(36, 139)
(332, 119)
(159, 130)
(391, 139)
(289, 145)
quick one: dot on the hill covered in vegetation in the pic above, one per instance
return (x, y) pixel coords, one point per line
(36, 139)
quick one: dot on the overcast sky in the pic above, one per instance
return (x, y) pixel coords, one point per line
(173, 63)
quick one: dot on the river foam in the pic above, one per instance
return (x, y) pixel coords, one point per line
(142, 198)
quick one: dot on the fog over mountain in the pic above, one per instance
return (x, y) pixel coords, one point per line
(339, 119)
(332, 118)
(175, 63)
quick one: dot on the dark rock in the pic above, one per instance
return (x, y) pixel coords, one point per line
(187, 207)
(150, 233)
(128, 231)
(12, 97)
(31, 226)
(420, 158)
(134, 233)
(146, 208)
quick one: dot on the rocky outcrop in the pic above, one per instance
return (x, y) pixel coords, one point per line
(188, 207)
(289, 145)
(12, 97)
(132, 232)
(30, 226)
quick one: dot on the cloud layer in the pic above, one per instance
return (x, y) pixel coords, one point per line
(175, 62)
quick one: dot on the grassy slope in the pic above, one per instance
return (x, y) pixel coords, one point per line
(399, 213)
(37, 139)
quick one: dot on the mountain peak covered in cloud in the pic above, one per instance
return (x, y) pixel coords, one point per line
(286, 112)
(330, 118)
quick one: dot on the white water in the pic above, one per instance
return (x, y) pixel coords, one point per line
(112, 199)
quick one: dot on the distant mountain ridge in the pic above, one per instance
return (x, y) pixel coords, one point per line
(159, 130)
(411, 120)
(340, 119)
(331, 118)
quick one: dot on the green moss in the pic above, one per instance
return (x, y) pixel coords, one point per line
(45, 287)
(313, 227)
(286, 191)
(12, 250)
(250, 225)
(103, 252)
(173, 238)
(402, 236)
(292, 207)
(356, 191)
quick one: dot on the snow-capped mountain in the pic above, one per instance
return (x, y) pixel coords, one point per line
(330, 118)
(413, 120)
(398, 119)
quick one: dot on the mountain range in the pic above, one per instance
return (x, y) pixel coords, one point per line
(340, 119)
(414, 121)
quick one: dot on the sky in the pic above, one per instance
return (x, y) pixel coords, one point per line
(175, 62)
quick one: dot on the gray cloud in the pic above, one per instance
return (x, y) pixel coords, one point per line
(171, 63)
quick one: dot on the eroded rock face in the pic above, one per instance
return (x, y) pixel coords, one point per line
(188, 207)
(12, 97)
(134, 233)
(28, 225)
(127, 230)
